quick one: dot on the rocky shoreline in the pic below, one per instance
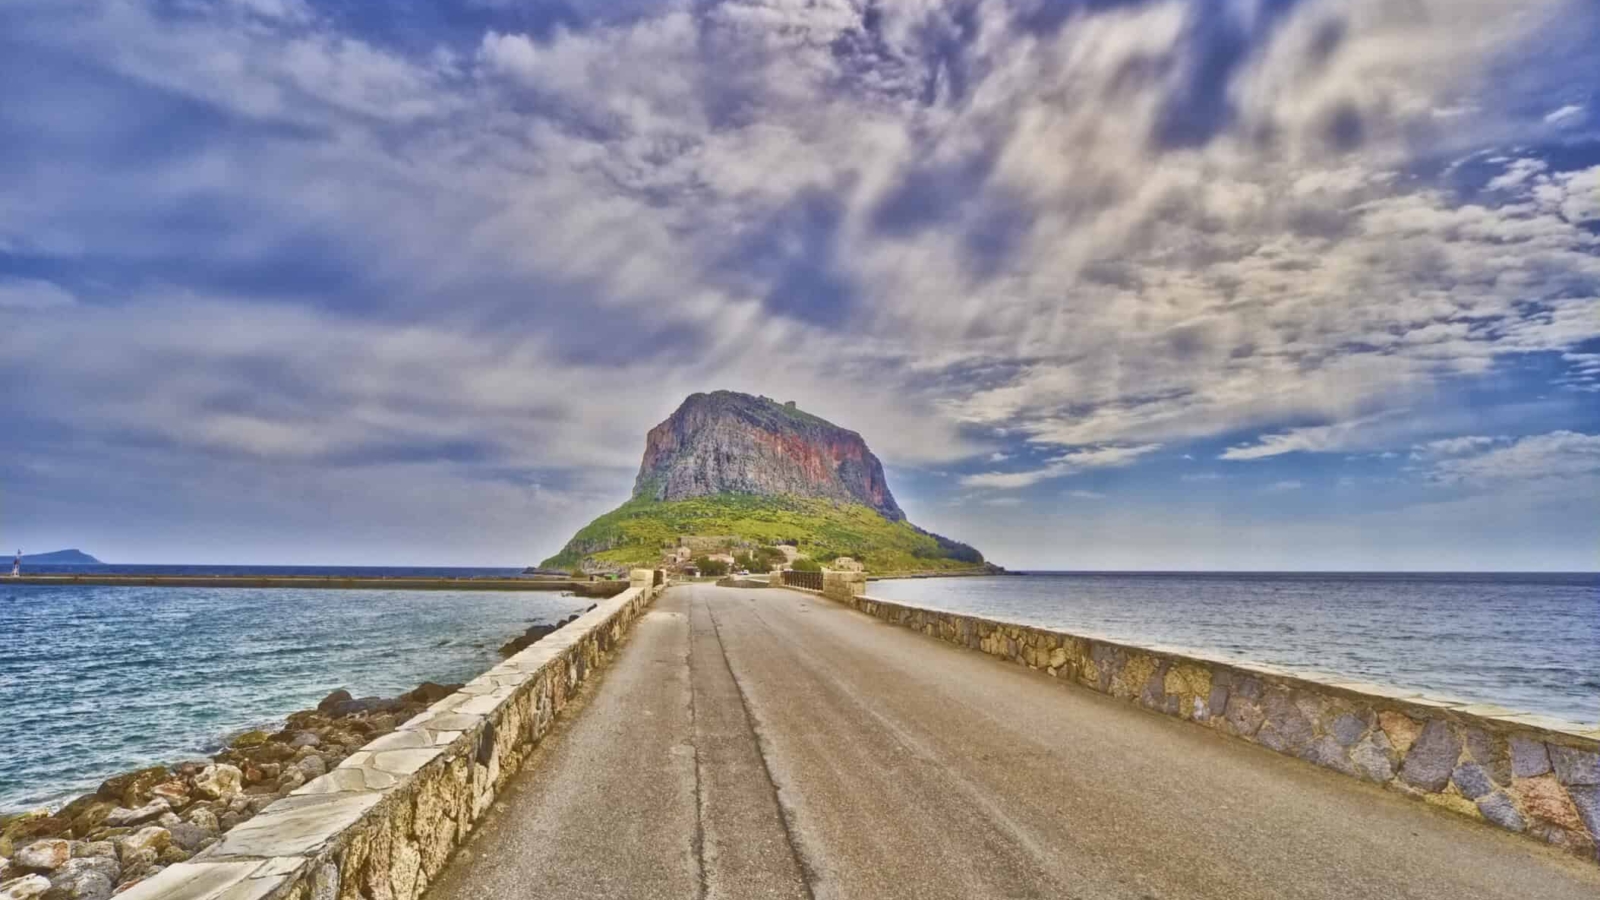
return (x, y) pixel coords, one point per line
(138, 823)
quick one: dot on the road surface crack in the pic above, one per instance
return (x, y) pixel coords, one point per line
(807, 872)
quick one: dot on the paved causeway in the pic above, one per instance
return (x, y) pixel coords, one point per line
(765, 743)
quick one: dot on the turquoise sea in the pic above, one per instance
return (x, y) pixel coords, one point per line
(1529, 642)
(98, 680)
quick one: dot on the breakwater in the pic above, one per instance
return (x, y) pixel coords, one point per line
(584, 588)
(96, 680)
(1527, 774)
(383, 822)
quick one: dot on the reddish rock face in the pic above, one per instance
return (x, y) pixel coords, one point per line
(730, 442)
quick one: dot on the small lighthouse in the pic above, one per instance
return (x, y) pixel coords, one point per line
(16, 566)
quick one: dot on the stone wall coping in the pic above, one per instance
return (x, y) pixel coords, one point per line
(1549, 728)
(275, 854)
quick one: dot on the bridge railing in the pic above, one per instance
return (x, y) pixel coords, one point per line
(811, 581)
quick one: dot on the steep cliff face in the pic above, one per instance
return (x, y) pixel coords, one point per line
(726, 442)
(752, 472)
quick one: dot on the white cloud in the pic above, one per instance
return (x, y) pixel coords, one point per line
(1065, 464)
(1565, 115)
(1288, 485)
(1338, 437)
(1086, 495)
(1457, 445)
(1557, 458)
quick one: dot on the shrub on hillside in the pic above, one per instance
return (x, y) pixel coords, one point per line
(806, 565)
(709, 566)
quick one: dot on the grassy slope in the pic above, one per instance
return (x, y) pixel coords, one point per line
(634, 533)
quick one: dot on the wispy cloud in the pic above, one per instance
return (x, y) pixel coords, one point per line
(1065, 464)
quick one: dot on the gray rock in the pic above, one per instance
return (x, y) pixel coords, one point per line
(1248, 687)
(44, 856)
(1575, 767)
(292, 778)
(312, 767)
(1244, 717)
(305, 739)
(125, 818)
(90, 849)
(137, 861)
(1528, 758)
(1326, 751)
(189, 836)
(1286, 730)
(332, 700)
(1348, 728)
(1587, 800)
(365, 705)
(1218, 702)
(1373, 758)
(1472, 780)
(1499, 809)
(1433, 757)
(1490, 751)
(205, 819)
(326, 884)
(86, 879)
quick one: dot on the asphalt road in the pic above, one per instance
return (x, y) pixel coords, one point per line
(770, 744)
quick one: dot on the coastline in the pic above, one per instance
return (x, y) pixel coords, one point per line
(586, 588)
(138, 822)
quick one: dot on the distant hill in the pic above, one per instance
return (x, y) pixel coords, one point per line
(61, 558)
(758, 472)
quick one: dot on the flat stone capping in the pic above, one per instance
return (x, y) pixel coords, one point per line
(1529, 774)
(383, 823)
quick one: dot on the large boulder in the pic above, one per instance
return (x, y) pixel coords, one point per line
(191, 837)
(220, 782)
(366, 705)
(93, 878)
(126, 818)
(24, 829)
(44, 856)
(429, 693)
(332, 700)
(132, 789)
(175, 793)
(153, 839)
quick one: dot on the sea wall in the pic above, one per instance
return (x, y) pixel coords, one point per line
(1528, 774)
(382, 824)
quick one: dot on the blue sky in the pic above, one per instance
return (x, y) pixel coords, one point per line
(1283, 284)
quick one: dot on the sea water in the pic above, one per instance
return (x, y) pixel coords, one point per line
(1527, 642)
(99, 680)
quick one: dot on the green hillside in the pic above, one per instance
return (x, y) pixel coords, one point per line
(635, 533)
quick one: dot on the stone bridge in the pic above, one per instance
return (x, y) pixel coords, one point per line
(770, 743)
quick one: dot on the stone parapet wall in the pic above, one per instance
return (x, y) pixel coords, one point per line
(1529, 774)
(383, 823)
(842, 585)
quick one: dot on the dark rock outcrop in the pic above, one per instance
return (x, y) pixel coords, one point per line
(727, 442)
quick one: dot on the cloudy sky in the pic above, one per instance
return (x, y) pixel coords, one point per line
(1106, 283)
